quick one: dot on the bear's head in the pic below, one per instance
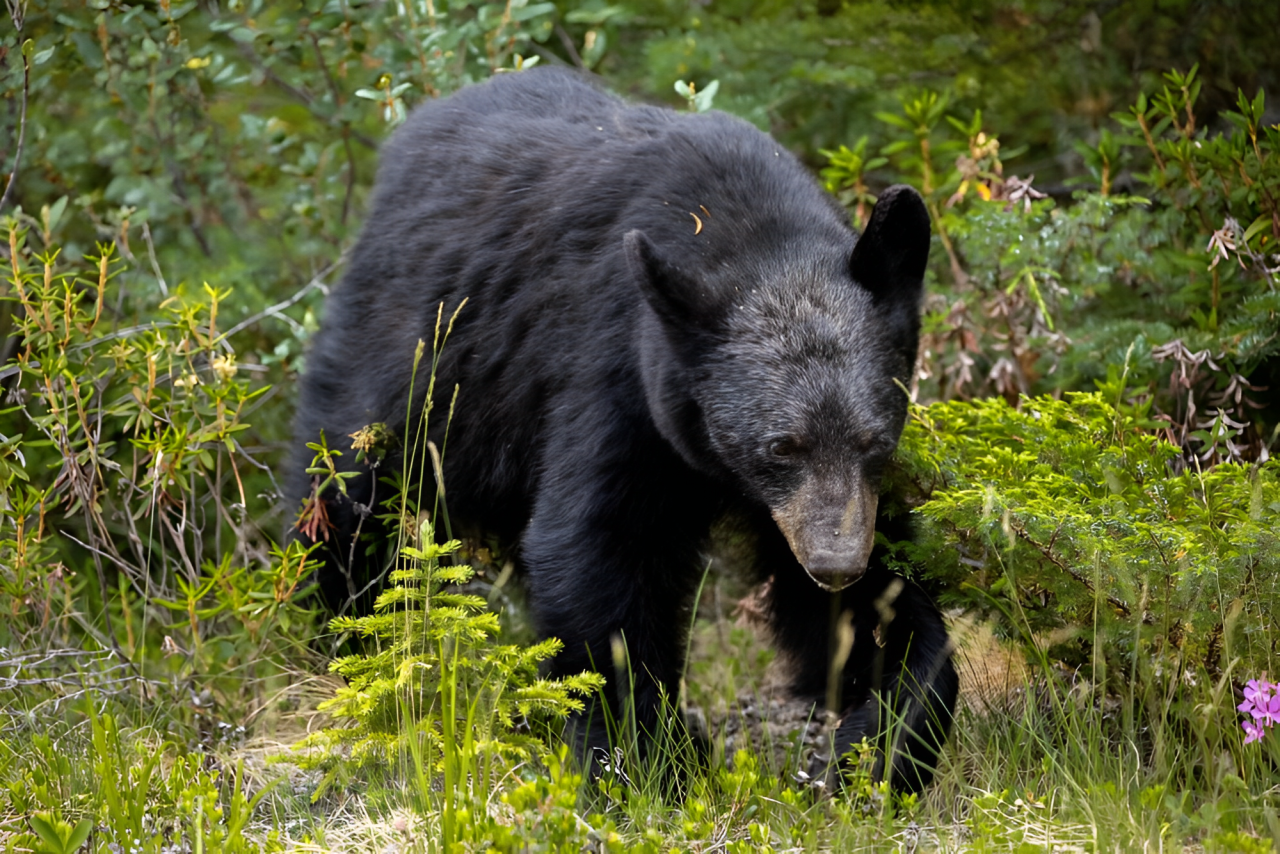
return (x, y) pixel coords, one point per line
(785, 371)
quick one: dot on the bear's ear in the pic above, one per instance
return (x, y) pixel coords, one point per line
(890, 256)
(672, 294)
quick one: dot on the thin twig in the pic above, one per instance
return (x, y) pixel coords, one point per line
(260, 466)
(155, 265)
(547, 56)
(114, 558)
(569, 47)
(351, 172)
(16, 11)
(274, 311)
(346, 127)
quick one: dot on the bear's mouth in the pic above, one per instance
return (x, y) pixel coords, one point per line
(831, 529)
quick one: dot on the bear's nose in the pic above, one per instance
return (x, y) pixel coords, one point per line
(835, 570)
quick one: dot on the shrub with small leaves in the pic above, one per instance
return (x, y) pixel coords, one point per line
(433, 682)
(1067, 513)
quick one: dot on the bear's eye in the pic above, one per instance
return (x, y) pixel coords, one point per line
(787, 446)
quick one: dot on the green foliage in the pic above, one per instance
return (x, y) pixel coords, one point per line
(145, 807)
(1131, 519)
(57, 836)
(133, 796)
(128, 445)
(1033, 297)
(435, 688)
(1108, 771)
(232, 143)
(161, 133)
(845, 177)
(543, 816)
(1046, 72)
(1219, 192)
(1069, 514)
(1123, 534)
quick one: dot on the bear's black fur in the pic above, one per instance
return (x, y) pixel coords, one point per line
(667, 320)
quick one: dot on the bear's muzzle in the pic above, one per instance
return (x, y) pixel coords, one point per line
(831, 529)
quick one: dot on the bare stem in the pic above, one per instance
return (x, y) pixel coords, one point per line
(22, 120)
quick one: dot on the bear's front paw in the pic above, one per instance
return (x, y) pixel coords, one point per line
(854, 743)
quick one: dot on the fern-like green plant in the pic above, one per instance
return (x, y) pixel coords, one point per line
(435, 685)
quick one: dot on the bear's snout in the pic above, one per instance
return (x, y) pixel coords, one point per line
(835, 571)
(831, 529)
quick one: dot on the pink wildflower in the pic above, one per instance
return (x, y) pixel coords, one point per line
(1262, 705)
(1271, 711)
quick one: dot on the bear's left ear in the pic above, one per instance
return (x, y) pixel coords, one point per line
(671, 293)
(890, 256)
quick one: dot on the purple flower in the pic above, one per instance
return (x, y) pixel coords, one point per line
(1257, 687)
(1271, 711)
(1262, 704)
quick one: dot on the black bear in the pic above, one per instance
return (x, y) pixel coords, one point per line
(667, 321)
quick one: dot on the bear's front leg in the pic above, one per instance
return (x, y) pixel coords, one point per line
(898, 685)
(913, 683)
(611, 555)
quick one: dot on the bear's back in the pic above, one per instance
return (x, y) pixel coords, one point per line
(514, 119)
(540, 93)
(549, 150)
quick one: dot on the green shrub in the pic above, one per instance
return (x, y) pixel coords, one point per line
(434, 682)
(127, 523)
(1068, 514)
(1109, 509)
(132, 794)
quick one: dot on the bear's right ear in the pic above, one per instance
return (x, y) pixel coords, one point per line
(890, 257)
(672, 294)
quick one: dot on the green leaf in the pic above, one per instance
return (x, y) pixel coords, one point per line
(1256, 226)
(595, 16)
(894, 119)
(702, 100)
(529, 12)
(41, 823)
(84, 827)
